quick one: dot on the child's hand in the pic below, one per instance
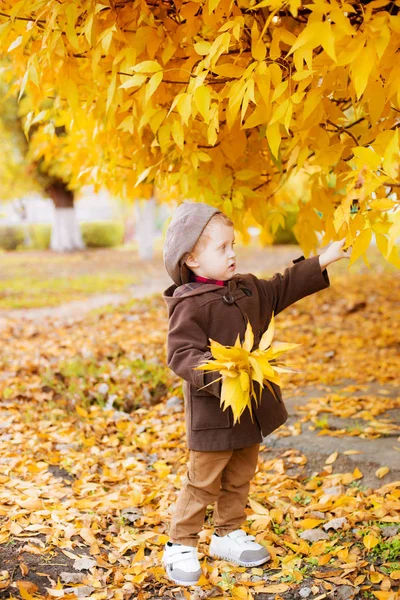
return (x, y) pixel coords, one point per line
(333, 253)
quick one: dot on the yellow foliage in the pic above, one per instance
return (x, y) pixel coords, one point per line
(187, 98)
(240, 366)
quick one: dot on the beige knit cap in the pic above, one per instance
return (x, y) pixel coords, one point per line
(185, 228)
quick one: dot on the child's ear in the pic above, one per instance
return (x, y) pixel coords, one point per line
(190, 261)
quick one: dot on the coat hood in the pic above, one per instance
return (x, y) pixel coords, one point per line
(185, 228)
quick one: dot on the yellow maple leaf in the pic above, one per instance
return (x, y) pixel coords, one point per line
(240, 366)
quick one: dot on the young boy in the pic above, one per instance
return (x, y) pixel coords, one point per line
(208, 300)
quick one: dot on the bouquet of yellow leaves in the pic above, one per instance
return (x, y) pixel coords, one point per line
(240, 367)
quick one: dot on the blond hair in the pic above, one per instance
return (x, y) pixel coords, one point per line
(202, 241)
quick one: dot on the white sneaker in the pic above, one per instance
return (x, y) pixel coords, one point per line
(239, 548)
(181, 564)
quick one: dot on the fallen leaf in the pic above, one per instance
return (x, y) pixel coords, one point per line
(258, 508)
(313, 535)
(83, 591)
(370, 541)
(87, 535)
(337, 523)
(386, 584)
(55, 593)
(381, 472)
(83, 563)
(331, 458)
(239, 593)
(327, 573)
(341, 581)
(26, 589)
(309, 523)
(32, 549)
(68, 577)
(395, 575)
(375, 577)
(278, 588)
(30, 503)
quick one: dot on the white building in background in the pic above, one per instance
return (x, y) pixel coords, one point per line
(143, 220)
(88, 207)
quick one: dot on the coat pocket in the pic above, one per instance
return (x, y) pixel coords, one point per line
(206, 413)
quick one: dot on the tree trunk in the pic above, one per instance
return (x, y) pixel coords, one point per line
(65, 234)
(145, 229)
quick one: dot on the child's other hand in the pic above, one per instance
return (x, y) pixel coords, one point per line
(333, 253)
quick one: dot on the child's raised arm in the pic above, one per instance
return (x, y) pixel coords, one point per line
(303, 278)
(307, 276)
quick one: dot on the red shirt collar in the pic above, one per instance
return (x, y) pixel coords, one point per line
(200, 279)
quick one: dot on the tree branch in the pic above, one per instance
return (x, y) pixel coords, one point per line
(343, 130)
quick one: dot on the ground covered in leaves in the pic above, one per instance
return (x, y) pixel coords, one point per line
(92, 452)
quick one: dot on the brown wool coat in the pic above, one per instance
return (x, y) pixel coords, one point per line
(198, 312)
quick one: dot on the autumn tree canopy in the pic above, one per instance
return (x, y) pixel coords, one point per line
(222, 101)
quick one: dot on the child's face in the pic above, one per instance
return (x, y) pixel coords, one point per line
(216, 258)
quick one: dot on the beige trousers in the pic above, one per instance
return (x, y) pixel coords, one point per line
(220, 478)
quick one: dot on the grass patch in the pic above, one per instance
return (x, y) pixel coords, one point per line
(31, 292)
(115, 381)
(321, 423)
(388, 550)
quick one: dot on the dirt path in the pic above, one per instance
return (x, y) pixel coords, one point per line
(369, 454)
(78, 309)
